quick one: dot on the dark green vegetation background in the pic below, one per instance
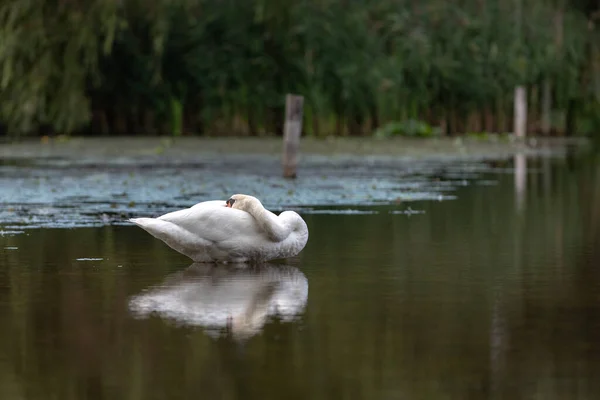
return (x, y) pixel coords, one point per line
(223, 67)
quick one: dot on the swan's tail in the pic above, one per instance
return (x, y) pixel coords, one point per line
(173, 235)
(157, 228)
(147, 224)
(163, 230)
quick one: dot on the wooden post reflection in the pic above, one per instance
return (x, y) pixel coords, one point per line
(520, 180)
(498, 345)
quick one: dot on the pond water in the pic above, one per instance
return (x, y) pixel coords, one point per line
(492, 294)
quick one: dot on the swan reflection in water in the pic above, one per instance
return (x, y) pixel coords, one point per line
(239, 299)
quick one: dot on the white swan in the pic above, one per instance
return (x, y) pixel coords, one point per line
(237, 230)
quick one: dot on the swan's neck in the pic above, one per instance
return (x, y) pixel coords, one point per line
(269, 222)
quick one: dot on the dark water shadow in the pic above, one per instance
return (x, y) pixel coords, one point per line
(235, 300)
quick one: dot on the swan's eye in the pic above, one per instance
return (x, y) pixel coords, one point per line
(229, 203)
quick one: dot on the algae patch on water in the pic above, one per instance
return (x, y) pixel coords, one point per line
(96, 186)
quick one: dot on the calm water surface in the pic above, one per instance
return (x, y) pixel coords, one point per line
(493, 295)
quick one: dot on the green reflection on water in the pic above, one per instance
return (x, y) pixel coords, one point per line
(493, 295)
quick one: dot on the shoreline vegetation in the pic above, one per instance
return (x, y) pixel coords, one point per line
(194, 149)
(223, 68)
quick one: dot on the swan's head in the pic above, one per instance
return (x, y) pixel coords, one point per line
(242, 202)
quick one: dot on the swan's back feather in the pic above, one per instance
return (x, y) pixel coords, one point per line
(214, 222)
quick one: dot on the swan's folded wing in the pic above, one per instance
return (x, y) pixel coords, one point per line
(214, 223)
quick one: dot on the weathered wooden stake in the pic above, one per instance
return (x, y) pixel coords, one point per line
(291, 135)
(520, 123)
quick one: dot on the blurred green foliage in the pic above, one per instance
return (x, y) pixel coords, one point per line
(409, 127)
(224, 67)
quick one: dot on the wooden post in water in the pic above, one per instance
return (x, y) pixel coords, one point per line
(291, 135)
(520, 124)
